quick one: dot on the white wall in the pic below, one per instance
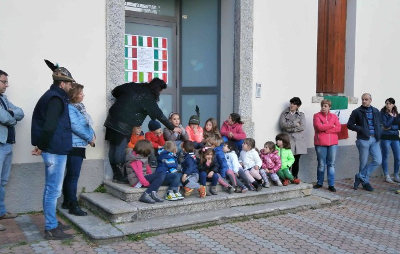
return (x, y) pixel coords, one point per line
(71, 33)
(377, 51)
(285, 46)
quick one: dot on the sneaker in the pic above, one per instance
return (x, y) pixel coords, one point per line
(76, 210)
(332, 188)
(213, 190)
(265, 184)
(2, 228)
(170, 196)
(8, 215)
(238, 190)
(63, 226)
(202, 191)
(244, 189)
(145, 198)
(397, 192)
(286, 182)
(367, 187)
(296, 181)
(56, 234)
(317, 186)
(279, 183)
(187, 191)
(178, 195)
(396, 178)
(230, 189)
(155, 197)
(388, 179)
(357, 182)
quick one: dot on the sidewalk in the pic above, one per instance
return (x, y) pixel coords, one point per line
(364, 222)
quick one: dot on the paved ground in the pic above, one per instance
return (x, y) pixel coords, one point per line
(363, 223)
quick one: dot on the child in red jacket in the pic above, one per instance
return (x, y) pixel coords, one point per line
(232, 130)
(156, 137)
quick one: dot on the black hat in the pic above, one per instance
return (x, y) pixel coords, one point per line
(154, 125)
(194, 119)
(60, 73)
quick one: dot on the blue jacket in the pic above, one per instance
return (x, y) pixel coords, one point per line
(61, 141)
(82, 132)
(189, 164)
(390, 126)
(220, 156)
(6, 119)
(358, 122)
(166, 162)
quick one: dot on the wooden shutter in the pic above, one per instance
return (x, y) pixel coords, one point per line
(331, 46)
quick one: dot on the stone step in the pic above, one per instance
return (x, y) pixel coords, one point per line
(118, 211)
(130, 194)
(104, 231)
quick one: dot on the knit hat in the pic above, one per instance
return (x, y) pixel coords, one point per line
(59, 73)
(195, 119)
(154, 125)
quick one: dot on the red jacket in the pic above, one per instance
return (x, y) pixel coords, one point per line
(154, 139)
(327, 127)
(236, 129)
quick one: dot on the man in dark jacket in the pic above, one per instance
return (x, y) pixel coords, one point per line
(134, 102)
(52, 137)
(366, 121)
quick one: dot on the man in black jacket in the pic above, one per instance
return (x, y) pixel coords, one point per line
(366, 121)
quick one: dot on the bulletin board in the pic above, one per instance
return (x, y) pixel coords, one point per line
(146, 57)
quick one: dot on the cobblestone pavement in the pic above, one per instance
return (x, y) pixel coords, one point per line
(364, 222)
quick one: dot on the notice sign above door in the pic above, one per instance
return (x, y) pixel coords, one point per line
(146, 57)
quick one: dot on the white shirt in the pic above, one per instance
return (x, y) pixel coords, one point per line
(250, 159)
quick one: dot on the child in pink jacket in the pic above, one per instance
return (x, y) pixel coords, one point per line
(232, 130)
(271, 163)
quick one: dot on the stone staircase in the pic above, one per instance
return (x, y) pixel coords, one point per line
(117, 213)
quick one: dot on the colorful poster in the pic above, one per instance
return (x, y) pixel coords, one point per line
(146, 57)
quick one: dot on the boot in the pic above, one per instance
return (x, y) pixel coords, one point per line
(202, 191)
(76, 210)
(154, 196)
(146, 198)
(213, 190)
(118, 173)
(56, 234)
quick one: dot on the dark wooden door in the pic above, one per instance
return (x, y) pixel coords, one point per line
(331, 45)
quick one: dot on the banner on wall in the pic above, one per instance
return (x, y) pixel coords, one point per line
(146, 57)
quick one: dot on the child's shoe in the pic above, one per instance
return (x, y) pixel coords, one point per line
(155, 197)
(202, 191)
(257, 186)
(265, 184)
(213, 190)
(230, 189)
(178, 195)
(296, 181)
(285, 182)
(170, 196)
(187, 191)
(244, 189)
(279, 183)
(146, 198)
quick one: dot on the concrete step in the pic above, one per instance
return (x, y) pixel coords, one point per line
(104, 231)
(130, 194)
(118, 211)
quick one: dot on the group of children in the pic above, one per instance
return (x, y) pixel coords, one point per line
(188, 159)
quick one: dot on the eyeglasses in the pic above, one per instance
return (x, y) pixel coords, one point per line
(5, 82)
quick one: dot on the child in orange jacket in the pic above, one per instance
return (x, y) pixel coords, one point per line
(137, 135)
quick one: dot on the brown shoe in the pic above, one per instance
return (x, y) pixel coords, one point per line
(8, 215)
(2, 228)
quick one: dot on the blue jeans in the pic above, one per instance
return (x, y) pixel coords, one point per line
(204, 178)
(385, 146)
(326, 156)
(55, 168)
(5, 168)
(368, 148)
(173, 180)
(70, 185)
(238, 143)
(155, 180)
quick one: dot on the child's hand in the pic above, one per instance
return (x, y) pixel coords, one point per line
(184, 178)
(210, 174)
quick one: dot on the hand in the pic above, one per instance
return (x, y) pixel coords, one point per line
(184, 178)
(159, 133)
(92, 144)
(178, 130)
(36, 151)
(230, 134)
(210, 174)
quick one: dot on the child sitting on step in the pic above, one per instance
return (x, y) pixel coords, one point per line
(251, 162)
(231, 157)
(140, 174)
(209, 169)
(271, 163)
(167, 164)
(137, 134)
(287, 159)
(190, 173)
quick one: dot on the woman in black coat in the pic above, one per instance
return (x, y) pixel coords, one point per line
(134, 102)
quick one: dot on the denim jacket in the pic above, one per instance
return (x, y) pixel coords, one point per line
(6, 119)
(82, 132)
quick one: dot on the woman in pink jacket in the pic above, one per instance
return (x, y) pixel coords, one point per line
(327, 127)
(232, 130)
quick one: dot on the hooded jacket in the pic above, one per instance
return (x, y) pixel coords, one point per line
(287, 158)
